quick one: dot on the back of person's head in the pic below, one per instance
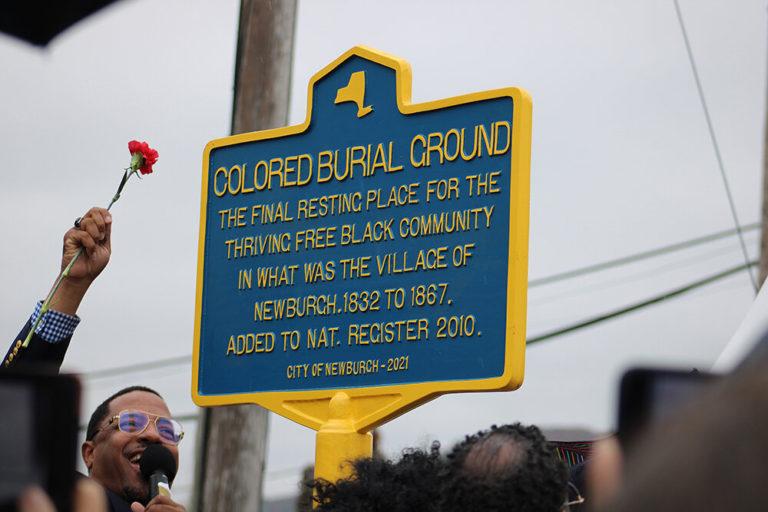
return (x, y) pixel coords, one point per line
(411, 483)
(509, 468)
(710, 456)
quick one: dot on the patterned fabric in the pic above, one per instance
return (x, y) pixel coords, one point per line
(573, 453)
(54, 327)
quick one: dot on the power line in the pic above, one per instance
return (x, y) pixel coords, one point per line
(161, 363)
(628, 277)
(715, 145)
(639, 256)
(178, 360)
(132, 368)
(640, 305)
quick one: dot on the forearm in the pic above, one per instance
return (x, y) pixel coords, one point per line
(69, 295)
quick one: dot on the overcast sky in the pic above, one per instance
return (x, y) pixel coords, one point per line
(621, 163)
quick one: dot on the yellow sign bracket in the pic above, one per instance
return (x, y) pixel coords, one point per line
(338, 442)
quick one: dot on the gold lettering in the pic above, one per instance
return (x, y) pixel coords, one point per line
(216, 190)
(420, 163)
(435, 147)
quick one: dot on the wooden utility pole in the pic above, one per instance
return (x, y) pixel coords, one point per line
(234, 438)
(763, 270)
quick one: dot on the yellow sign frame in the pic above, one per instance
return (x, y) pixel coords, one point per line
(358, 410)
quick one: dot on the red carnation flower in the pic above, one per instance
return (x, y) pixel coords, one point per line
(143, 157)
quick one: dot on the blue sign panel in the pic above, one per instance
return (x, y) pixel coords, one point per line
(377, 244)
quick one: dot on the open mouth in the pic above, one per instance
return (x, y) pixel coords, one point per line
(135, 460)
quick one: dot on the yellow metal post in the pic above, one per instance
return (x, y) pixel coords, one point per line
(338, 442)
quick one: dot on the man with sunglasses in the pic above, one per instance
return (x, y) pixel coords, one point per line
(128, 421)
(119, 431)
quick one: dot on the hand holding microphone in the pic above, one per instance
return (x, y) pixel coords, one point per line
(158, 467)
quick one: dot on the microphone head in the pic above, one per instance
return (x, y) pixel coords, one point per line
(157, 457)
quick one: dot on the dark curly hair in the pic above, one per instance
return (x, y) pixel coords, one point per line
(511, 468)
(410, 484)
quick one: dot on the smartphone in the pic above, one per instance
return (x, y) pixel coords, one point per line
(38, 436)
(647, 396)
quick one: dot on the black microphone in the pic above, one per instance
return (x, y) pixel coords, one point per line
(158, 466)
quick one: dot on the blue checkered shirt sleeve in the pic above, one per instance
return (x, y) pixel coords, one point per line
(55, 327)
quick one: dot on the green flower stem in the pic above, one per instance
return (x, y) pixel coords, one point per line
(65, 273)
(47, 303)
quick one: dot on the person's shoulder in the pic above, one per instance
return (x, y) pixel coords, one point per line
(116, 503)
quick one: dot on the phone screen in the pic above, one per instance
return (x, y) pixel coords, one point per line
(648, 396)
(669, 392)
(18, 465)
(38, 436)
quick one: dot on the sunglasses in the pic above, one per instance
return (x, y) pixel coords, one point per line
(136, 422)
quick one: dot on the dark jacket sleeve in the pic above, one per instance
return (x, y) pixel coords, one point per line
(39, 355)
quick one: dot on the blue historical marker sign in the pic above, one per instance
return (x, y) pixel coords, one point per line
(380, 243)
